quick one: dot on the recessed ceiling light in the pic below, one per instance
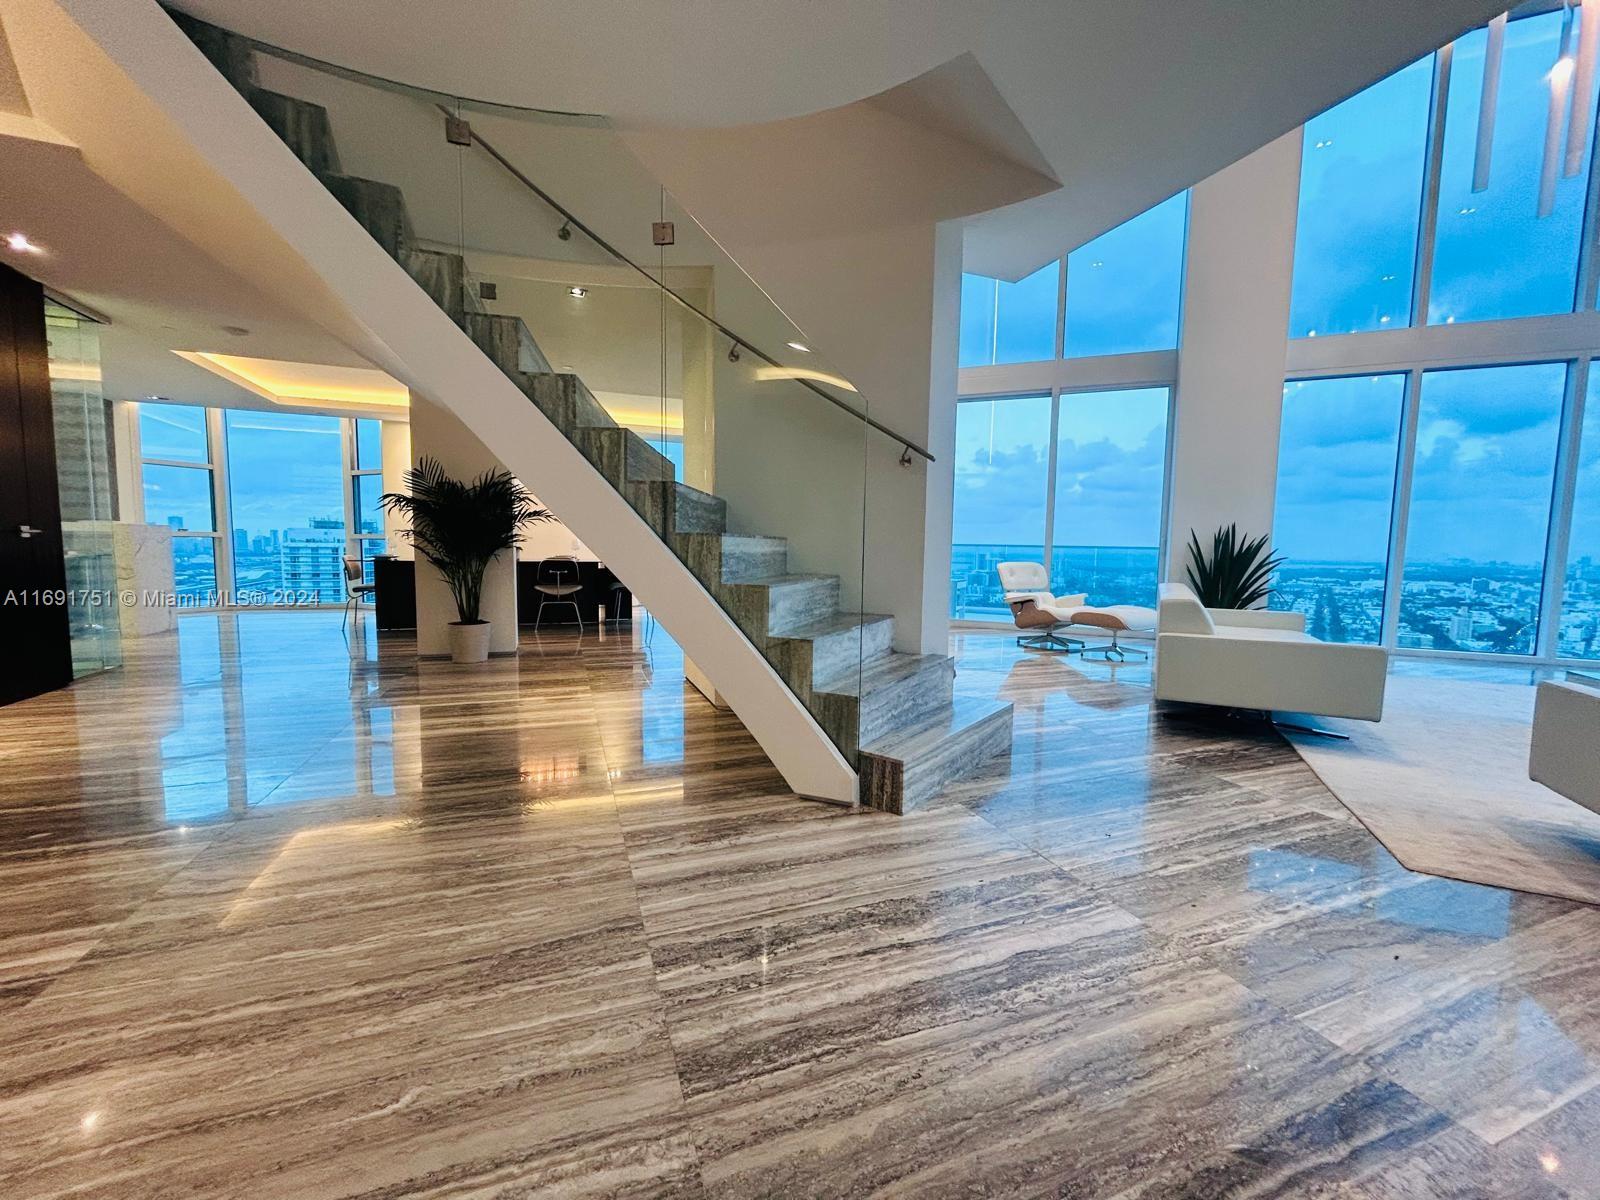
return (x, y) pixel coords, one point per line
(800, 346)
(577, 293)
(20, 243)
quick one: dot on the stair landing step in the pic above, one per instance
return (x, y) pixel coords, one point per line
(884, 672)
(904, 769)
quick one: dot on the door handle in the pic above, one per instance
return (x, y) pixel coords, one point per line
(28, 531)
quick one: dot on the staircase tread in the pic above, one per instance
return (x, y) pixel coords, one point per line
(837, 623)
(915, 740)
(770, 581)
(879, 672)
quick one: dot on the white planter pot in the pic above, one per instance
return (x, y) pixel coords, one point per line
(469, 643)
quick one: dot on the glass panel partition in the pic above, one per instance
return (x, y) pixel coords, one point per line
(701, 401)
(84, 479)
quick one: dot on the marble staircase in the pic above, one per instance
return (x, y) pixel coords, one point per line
(892, 715)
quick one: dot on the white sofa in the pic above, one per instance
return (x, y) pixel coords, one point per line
(1256, 659)
(1565, 755)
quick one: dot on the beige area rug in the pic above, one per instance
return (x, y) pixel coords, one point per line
(1443, 782)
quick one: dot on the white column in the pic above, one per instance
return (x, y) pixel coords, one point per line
(395, 457)
(437, 433)
(1232, 350)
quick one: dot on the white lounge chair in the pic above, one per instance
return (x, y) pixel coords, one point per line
(1042, 615)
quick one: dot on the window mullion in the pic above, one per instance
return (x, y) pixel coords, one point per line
(1563, 497)
(221, 501)
(1399, 520)
(1422, 284)
(1050, 480)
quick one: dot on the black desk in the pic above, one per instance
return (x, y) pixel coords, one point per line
(394, 594)
(394, 591)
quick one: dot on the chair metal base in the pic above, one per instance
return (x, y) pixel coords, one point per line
(576, 611)
(1051, 642)
(1115, 650)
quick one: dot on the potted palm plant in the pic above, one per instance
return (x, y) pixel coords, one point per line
(1238, 573)
(461, 528)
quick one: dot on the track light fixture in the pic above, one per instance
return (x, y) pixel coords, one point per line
(565, 232)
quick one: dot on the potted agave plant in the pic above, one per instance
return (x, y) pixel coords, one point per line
(461, 528)
(1237, 574)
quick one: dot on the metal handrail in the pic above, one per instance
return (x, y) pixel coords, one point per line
(439, 100)
(571, 219)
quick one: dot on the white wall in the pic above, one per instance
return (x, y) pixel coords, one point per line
(1232, 349)
(437, 433)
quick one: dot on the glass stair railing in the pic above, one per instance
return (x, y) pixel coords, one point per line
(751, 467)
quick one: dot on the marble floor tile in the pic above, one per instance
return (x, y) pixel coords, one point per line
(289, 913)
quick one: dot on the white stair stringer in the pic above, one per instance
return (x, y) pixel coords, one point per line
(172, 134)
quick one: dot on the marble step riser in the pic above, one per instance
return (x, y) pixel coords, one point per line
(302, 126)
(509, 342)
(444, 278)
(799, 603)
(899, 787)
(797, 660)
(622, 456)
(906, 701)
(380, 208)
(832, 655)
(565, 400)
(889, 707)
(670, 511)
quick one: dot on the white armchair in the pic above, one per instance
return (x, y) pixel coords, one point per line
(1256, 659)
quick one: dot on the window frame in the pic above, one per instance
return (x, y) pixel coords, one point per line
(216, 465)
(1143, 370)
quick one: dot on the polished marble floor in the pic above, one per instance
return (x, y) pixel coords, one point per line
(289, 918)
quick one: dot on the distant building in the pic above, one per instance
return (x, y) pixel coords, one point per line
(312, 559)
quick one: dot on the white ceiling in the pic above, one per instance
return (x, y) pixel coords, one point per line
(1129, 101)
(158, 290)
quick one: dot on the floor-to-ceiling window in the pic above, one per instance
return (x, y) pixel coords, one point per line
(175, 447)
(1435, 490)
(1002, 467)
(1339, 447)
(265, 505)
(1073, 477)
(1111, 455)
(1480, 508)
(1579, 635)
(286, 490)
(366, 487)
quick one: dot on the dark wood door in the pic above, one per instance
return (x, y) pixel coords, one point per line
(35, 650)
